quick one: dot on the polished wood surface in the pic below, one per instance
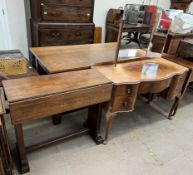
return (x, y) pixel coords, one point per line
(43, 96)
(32, 87)
(130, 79)
(131, 72)
(67, 58)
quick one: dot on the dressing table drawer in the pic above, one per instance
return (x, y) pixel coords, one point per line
(124, 97)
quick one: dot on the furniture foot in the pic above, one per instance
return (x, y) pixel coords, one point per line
(109, 121)
(174, 108)
(150, 98)
(94, 123)
(57, 119)
(20, 147)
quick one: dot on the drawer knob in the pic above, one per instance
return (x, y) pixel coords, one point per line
(42, 4)
(129, 91)
(45, 13)
(88, 14)
(125, 103)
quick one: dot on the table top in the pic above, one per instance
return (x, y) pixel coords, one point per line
(46, 85)
(57, 59)
(132, 72)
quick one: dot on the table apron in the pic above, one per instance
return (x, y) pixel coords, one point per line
(36, 108)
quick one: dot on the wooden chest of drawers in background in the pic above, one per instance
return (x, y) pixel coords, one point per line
(180, 4)
(62, 22)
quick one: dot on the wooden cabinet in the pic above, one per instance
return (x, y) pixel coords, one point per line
(62, 34)
(180, 4)
(62, 22)
(173, 41)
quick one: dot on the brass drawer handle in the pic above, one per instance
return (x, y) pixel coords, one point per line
(56, 35)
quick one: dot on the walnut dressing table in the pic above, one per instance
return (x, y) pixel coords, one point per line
(42, 96)
(130, 79)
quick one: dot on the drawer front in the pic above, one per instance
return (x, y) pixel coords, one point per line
(124, 97)
(25, 111)
(66, 35)
(82, 3)
(66, 14)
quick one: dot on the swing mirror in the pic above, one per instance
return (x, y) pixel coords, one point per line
(139, 28)
(135, 31)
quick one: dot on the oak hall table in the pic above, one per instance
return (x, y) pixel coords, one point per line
(68, 58)
(42, 96)
(155, 75)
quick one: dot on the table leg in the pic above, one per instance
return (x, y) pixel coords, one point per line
(20, 146)
(57, 119)
(109, 122)
(174, 108)
(94, 122)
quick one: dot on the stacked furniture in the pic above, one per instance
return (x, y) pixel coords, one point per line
(62, 22)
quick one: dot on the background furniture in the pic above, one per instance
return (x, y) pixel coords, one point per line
(185, 49)
(129, 80)
(62, 22)
(184, 56)
(17, 54)
(158, 42)
(35, 97)
(5, 156)
(180, 4)
(172, 42)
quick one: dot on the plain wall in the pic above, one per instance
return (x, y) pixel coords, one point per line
(17, 19)
(17, 25)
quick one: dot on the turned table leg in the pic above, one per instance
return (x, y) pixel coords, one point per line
(20, 146)
(94, 122)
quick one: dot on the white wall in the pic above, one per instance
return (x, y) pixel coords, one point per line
(17, 25)
(17, 21)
